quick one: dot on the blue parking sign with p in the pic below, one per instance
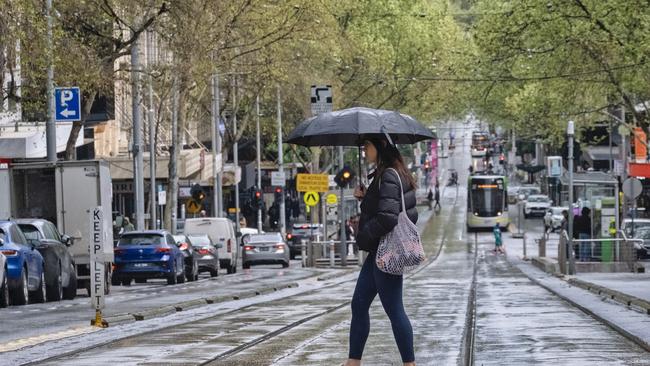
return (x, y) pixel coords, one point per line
(67, 104)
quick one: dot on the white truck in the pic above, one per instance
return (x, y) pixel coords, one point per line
(63, 193)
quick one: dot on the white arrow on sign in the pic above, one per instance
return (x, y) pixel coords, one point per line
(67, 113)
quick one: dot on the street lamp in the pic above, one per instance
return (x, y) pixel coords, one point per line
(570, 131)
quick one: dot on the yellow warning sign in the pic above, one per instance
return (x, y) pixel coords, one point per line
(192, 206)
(332, 199)
(311, 198)
(312, 182)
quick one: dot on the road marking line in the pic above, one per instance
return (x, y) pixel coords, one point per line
(32, 341)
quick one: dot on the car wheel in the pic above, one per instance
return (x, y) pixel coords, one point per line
(55, 290)
(40, 294)
(70, 292)
(285, 265)
(20, 294)
(181, 277)
(171, 278)
(214, 272)
(292, 256)
(246, 265)
(4, 292)
(229, 269)
(126, 282)
(116, 281)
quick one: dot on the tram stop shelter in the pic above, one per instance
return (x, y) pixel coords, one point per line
(598, 191)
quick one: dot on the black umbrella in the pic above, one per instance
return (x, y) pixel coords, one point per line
(350, 127)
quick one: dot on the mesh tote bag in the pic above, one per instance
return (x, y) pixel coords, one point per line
(401, 249)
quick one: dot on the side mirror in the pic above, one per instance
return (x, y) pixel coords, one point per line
(238, 234)
(2, 242)
(218, 245)
(66, 240)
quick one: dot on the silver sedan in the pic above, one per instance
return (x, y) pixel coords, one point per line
(269, 248)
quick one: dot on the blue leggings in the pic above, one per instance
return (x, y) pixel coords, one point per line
(371, 282)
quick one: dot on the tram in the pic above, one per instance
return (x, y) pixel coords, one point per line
(487, 203)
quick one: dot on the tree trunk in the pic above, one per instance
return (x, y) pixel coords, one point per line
(70, 149)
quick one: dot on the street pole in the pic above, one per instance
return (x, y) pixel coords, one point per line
(343, 245)
(217, 121)
(50, 126)
(570, 133)
(138, 178)
(152, 158)
(173, 166)
(283, 222)
(259, 161)
(624, 152)
(214, 132)
(235, 152)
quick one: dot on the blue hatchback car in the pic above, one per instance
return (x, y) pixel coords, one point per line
(25, 267)
(142, 255)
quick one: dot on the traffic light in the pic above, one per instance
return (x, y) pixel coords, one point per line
(197, 192)
(258, 199)
(278, 193)
(426, 165)
(344, 177)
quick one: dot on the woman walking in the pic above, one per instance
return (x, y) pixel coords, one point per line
(380, 207)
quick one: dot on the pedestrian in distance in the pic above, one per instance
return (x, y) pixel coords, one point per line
(380, 207)
(127, 225)
(582, 229)
(430, 199)
(498, 242)
(436, 198)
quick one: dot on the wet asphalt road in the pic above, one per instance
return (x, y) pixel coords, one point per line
(518, 322)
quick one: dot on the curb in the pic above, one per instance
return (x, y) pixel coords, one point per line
(643, 344)
(624, 299)
(186, 305)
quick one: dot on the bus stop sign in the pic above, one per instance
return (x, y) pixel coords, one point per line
(632, 188)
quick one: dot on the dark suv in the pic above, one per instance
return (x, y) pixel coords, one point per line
(302, 231)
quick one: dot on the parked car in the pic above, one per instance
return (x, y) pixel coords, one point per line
(143, 255)
(221, 230)
(553, 217)
(638, 224)
(189, 255)
(526, 191)
(4, 285)
(25, 268)
(513, 193)
(536, 205)
(269, 248)
(302, 231)
(207, 254)
(60, 269)
(642, 250)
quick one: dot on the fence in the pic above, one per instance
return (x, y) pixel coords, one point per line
(324, 253)
(620, 249)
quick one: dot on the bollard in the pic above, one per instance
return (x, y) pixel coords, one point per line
(332, 253)
(524, 239)
(303, 252)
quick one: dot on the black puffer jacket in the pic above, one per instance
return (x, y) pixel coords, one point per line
(380, 207)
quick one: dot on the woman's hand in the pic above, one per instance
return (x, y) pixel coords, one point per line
(360, 192)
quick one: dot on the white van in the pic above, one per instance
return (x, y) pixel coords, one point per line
(222, 231)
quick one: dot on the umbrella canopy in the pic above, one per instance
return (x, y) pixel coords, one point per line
(349, 127)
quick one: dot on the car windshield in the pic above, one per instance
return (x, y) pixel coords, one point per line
(643, 233)
(536, 199)
(141, 239)
(200, 241)
(557, 211)
(265, 238)
(30, 231)
(637, 225)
